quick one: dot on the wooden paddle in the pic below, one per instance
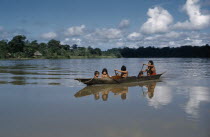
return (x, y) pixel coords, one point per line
(141, 70)
(142, 67)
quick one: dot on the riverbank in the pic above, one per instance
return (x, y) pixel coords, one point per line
(61, 57)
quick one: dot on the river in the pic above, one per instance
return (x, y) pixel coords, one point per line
(40, 98)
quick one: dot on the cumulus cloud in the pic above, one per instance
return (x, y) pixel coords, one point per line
(134, 36)
(172, 34)
(197, 20)
(75, 31)
(110, 33)
(8, 34)
(104, 38)
(158, 21)
(70, 41)
(174, 39)
(49, 35)
(124, 24)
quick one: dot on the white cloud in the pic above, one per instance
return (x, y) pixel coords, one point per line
(65, 41)
(134, 36)
(49, 35)
(174, 39)
(197, 20)
(76, 41)
(154, 37)
(111, 33)
(71, 41)
(172, 34)
(192, 41)
(158, 21)
(124, 24)
(171, 43)
(75, 31)
(120, 44)
(104, 38)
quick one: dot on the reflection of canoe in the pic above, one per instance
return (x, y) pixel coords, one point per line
(115, 88)
(112, 80)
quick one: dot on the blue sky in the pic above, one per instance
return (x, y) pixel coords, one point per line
(108, 23)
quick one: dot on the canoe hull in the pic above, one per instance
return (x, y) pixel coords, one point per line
(94, 81)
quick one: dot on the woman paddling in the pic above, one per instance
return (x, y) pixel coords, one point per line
(123, 71)
(150, 68)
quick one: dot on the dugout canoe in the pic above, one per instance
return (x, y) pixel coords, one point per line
(117, 80)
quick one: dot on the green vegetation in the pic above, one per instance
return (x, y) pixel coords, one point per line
(19, 48)
(166, 52)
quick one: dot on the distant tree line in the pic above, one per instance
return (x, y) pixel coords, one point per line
(20, 47)
(187, 51)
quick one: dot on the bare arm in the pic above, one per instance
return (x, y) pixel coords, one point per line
(121, 71)
(149, 65)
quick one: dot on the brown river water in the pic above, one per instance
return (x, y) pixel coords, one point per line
(40, 98)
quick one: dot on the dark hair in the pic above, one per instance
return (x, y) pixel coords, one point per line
(96, 72)
(123, 68)
(105, 70)
(151, 62)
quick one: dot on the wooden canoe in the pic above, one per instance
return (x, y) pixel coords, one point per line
(115, 80)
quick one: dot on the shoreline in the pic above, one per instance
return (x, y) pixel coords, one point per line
(93, 57)
(72, 57)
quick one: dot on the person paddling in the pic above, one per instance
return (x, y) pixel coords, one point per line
(123, 71)
(150, 68)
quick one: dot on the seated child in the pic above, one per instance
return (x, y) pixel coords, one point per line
(104, 73)
(123, 71)
(140, 74)
(96, 74)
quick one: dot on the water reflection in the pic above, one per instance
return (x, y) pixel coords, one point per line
(177, 106)
(163, 97)
(151, 89)
(103, 91)
(197, 95)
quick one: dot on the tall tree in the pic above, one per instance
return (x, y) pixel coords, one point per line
(3, 49)
(54, 45)
(17, 44)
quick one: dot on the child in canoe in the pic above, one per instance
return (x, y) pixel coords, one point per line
(96, 74)
(141, 73)
(123, 71)
(104, 73)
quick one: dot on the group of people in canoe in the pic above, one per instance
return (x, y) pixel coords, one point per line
(123, 73)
